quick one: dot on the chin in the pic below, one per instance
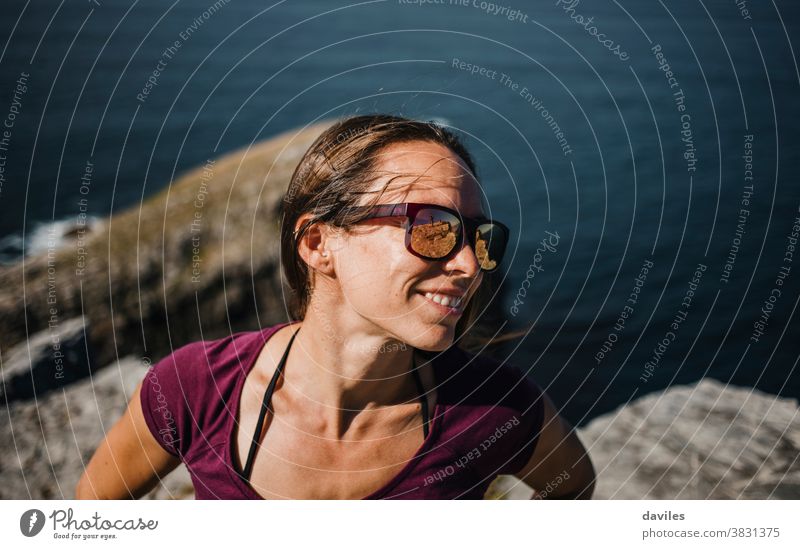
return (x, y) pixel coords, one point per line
(433, 337)
(426, 325)
(436, 348)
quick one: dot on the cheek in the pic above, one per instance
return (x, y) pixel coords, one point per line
(376, 272)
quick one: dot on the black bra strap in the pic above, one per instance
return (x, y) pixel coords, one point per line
(264, 405)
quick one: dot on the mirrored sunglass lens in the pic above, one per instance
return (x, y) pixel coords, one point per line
(489, 245)
(434, 233)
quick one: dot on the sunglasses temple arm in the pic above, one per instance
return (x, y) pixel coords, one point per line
(384, 210)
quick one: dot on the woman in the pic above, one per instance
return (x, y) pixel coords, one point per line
(366, 394)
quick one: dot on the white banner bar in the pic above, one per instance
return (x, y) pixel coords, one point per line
(400, 524)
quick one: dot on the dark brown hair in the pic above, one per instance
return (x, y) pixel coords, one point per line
(336, 170)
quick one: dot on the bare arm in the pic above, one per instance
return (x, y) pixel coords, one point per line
(560, 467)
(129, 462)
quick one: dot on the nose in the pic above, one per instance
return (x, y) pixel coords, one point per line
(465, 260)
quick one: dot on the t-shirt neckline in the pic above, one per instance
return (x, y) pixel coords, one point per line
(265, 334)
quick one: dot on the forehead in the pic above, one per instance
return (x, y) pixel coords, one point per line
(426, 172)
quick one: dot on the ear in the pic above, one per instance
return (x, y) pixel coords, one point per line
(312, 246)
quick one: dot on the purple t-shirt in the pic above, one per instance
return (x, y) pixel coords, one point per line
(486, 420)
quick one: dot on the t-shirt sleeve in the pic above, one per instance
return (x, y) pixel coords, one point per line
(526, 398)
(513, 413)
(166, 396)
(498, 416)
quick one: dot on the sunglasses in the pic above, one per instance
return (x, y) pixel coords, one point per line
(436, 233)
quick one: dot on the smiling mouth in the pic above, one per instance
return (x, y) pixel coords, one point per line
(446, 304)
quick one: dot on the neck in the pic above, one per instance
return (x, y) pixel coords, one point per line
(342, 367)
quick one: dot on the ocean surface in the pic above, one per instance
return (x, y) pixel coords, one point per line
(644, 154)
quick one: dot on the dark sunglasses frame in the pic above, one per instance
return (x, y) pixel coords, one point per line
(410, 210)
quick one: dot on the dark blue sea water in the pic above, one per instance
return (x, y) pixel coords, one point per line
(655, 134)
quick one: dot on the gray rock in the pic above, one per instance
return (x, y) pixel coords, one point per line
(702, 441)
(49, 440)
(49, 359)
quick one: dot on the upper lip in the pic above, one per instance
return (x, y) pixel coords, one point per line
(454, 292)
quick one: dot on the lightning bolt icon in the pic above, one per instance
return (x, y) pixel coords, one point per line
(34, 516)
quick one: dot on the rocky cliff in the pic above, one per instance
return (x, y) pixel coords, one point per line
(199, 257)
(703, 441)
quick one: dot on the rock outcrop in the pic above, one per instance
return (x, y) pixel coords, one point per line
(704, 441)
(49, 440)
(198, 259)
(50, 359)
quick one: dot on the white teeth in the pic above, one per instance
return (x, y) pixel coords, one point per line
(446, 300)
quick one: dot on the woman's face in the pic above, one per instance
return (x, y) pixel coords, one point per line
(380, 280)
